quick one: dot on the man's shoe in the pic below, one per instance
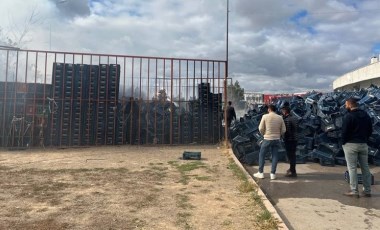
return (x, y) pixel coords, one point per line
(366, 194)
(273, 176)
(259, 175)
(291, 175)
(288, 172)
(351, 194)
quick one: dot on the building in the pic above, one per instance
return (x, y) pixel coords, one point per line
(359, 78)
(254, 98)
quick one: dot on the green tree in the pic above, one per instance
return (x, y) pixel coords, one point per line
(235, 93)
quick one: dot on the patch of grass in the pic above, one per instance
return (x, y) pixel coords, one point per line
(72, 171)
(267, 221)
(191, 166)
(246, 187)
(183, 202)
(5, 168)
(257, 199)
(157, 168)
(143, 201)
(183, 219)
(236, 170)
(264, 215)
(187, 167)
(138, 223)
(265, 218)
(184, 179)
(227, 223)
(173, 163)
(204, 191)
(203, 178)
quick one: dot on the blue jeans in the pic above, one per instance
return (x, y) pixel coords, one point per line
(266, 146)
(354, 152)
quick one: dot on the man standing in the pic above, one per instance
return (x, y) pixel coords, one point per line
(271, 126)
(356, 130)
(231, 115)
(290, 140)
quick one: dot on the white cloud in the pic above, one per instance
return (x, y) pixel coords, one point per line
(324, 40)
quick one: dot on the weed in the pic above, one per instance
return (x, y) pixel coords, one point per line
(246, 187)
(267, 221)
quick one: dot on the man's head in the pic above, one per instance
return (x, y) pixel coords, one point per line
(271, 108)
(285, 110)
(351, 104)
(229, 102)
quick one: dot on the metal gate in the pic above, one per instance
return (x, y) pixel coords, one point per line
(82, 99)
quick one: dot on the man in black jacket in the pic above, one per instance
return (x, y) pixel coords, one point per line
(290, 140)
(231, 115)
(356, 130)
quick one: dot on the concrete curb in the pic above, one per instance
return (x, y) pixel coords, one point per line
(265, 200)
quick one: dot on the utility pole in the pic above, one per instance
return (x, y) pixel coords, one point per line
(226, 131)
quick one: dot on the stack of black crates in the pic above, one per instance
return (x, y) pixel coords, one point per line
(207, 115)
(21, 113)
(86, 97)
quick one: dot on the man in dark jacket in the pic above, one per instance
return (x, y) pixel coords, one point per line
(231, 115)
(290, 140)
(356, 130)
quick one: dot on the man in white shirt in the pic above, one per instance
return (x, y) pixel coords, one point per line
(271, 126)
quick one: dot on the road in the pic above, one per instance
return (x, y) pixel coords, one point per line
(315, 199)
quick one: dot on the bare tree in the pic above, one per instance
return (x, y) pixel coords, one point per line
(17, 36)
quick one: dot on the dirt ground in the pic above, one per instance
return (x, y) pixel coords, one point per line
(127, 187)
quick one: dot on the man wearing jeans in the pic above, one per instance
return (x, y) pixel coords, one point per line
(356, 130)
(271, 126)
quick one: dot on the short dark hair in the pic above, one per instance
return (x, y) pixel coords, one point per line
(286, 109)
(230, 102)
(352, 101)
(272, 107)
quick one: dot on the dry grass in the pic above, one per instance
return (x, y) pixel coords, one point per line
(132, 188)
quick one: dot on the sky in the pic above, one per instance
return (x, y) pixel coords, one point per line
(277, 46)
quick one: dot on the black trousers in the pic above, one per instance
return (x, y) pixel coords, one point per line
(291, 147)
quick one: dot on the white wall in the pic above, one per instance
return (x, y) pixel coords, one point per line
(361, 78)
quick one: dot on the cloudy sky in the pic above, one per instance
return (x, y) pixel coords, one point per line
(274, 45)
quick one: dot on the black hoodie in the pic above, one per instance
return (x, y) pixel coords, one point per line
(357, 127)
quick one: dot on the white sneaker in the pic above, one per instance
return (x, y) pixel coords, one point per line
(273, 176)
(259, 175)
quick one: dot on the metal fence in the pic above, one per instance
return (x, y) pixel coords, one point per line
(82, 99)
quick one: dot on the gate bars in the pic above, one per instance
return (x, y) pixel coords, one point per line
(82, 99)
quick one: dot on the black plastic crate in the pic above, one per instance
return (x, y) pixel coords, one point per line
(360, 178)
(301, 159)
(191, 155)
(324, 159)
(340, 161)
